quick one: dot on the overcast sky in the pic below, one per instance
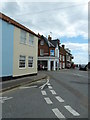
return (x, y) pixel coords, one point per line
(67, 21)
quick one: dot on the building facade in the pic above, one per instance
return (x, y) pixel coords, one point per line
(18, 42)
(62, 58)
(69, 58)
(48, 53)
(65, 57)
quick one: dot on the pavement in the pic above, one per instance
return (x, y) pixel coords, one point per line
(10, 84)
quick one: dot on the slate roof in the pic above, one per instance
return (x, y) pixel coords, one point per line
(49, 43)
(54, 42)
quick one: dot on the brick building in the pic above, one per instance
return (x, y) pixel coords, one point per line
(62, 58)
(66, 57)
(48, 53)
(69, 58)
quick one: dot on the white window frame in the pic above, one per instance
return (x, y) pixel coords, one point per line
(56, 52)
(41, 53)
(23, 37)
(42, 42)
(63, 58)
(31, 39)
(30, 59)
(22, 60)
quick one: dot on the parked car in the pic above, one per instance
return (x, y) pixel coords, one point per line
(83, 67)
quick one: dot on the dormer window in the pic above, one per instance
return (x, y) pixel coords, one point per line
(42, 42)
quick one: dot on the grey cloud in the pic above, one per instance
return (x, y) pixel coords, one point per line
(11, 8)
(49, 16)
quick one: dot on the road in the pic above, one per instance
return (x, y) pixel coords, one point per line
(64, 96)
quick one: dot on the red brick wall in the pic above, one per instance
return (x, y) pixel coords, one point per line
(45, 47)
(63, 53)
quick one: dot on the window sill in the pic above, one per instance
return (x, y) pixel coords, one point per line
(31, 45)
(27, 44)
(22, 68)
(30, 67)
(23, 43)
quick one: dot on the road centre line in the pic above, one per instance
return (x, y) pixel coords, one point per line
(50, 87)
(58, 113)
(48, 101)
(42, 87)
(53, 92)
(59, 99)
(71, 110)
(43, 92)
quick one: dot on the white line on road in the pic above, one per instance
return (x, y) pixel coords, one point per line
(43, 92)
(77, 74)
(23, 87)
(48, 84)
(53, 92)
(50, 87)
(58, 113)
(59, 99)
(42, 87)
(2, 99)
(48, 101)
(40, 81)
(80, 75)
(72, 110)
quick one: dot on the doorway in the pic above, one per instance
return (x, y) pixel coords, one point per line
(52, 65)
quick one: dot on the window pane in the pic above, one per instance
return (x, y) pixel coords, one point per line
(42, 42)
(30, 61)
(23, 36)
(41, 52)
(31, 39)
(22, 60)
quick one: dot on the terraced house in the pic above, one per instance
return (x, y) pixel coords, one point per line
(48, 53)
(62, 59)
(65, 57)
(19, 49)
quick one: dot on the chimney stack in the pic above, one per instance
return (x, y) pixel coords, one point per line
(49, 38)
(63, 46)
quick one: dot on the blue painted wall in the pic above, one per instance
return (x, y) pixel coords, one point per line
(0, 48)
(7, 48)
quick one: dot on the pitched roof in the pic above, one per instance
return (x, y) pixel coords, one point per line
(13, 22)
(54, 42)
(47, 41)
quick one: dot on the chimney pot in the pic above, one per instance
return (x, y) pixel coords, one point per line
(63, 46)
(49, 37)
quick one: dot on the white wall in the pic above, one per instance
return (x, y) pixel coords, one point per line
(24, 49)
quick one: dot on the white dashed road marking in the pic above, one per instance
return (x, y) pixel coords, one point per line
(58, 113)
(50, 87)
(48, 84)
(53, 92)
(48, 101)
(56, 110)
(43, 92)
(59, 99)
(72, 110)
